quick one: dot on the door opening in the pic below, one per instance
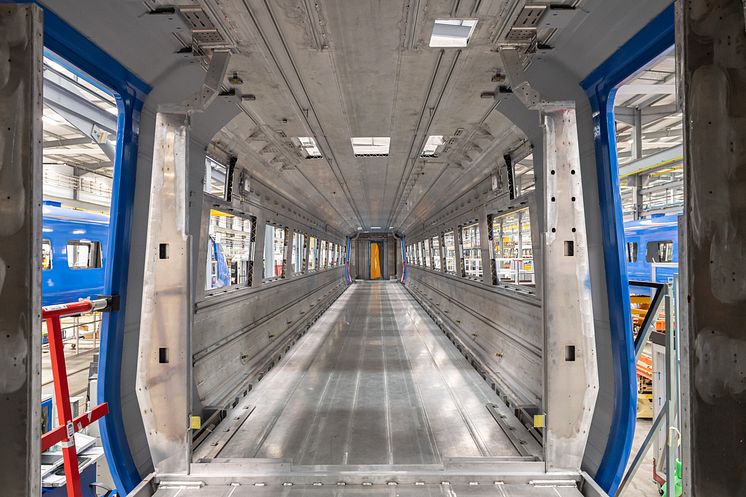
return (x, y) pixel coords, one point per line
(376, 260)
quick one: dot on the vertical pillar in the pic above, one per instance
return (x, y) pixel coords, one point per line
(306, 252)
(485, 241)
(458, 241)
(164, 383)
(570, 367)
(442, 254)
(20, 247)
(257, 275)
(713, 67)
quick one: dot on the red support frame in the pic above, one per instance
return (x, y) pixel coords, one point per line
(65, 432)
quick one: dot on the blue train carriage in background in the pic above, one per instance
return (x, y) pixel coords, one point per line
(652, 247)
(74, 248)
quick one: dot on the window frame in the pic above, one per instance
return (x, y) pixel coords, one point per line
(91, 253)
(209, 206)
(498, 255)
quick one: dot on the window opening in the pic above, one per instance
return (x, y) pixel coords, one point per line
(514, 259)
(660, 251)
(274, 251)
(449, 243)
(312, 250)
(631, 251)
(215, 177)
(297, 252)
(83, 254)
(428, 254)
(472, 251)
(435, 244)
(46, 255)
(229, 250)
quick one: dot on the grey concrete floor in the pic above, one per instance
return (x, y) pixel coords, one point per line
(642, 485)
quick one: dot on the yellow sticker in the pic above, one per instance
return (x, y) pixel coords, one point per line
(538, 421)
(196, 422)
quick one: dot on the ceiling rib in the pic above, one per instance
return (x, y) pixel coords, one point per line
(317, 129)
(414, 149)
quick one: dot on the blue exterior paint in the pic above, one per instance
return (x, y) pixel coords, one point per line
(130, 93)
(60, 283)
(600, 85)
(642, 232)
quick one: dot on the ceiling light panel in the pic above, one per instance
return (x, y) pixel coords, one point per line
(309, 147)
(431, 146)
(452, 33)
(371, 145)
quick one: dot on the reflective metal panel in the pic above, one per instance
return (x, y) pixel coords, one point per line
(164, 382)
(20, 247)
(570, 367)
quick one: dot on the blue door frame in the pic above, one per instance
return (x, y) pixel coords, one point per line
(600, 86)
(89, 61)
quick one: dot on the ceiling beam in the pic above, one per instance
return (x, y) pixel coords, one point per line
(664, 158)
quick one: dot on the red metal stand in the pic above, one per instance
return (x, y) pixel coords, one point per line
(65, 433)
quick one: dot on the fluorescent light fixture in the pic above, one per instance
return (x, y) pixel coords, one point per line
(452, 33)
(431, 145)
(371, 145)
(375, 227)
(308, 144)
(359, 228)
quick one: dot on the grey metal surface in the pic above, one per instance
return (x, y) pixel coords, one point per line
(570, 367)
(714, 340)
(20, 247)
(373, 382)
(483, 490)
(164, 378)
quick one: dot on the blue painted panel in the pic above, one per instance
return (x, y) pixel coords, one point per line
(651, 41)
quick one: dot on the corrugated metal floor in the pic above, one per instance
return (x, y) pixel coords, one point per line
(373, 388)
(373, 382)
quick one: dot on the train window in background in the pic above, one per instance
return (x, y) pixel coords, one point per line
(420, 254)
(631, 251)
(297, 255)
(312, 253)
(449, 244)
(83, 254)
(229, 250)
(333, 254)
(514, 256)
(428, 256)
(322, 255)
(472, 251)
(215, 174)
(661, 251)
(435, 244)
(274, 251)
(46, 255)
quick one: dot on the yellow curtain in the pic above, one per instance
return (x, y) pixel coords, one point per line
(375, 261)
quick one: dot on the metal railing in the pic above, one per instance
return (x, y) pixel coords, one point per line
(668, 416)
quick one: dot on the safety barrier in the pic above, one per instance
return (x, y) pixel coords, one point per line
(64, 434)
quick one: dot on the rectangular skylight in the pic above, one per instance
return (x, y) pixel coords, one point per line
(431, 145)
(309, 147)
(371, 145)
(452, 33)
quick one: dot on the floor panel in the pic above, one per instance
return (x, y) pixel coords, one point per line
(374, 381)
